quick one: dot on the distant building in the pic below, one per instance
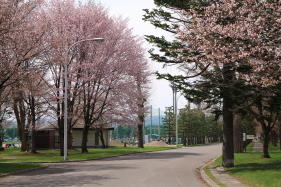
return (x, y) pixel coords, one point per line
(47, 137)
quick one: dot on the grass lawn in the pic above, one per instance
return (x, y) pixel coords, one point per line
(13, 167)
(250, 168)
(14, 155)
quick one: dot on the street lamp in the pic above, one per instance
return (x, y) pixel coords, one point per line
(65, 94)
(175, 106)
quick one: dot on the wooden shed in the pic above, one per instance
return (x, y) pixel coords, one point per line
(47, 137)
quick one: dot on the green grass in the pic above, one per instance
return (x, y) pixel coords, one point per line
(249, 148)
(14, 155)
(253, 170)
(274, 148)
(6, 168)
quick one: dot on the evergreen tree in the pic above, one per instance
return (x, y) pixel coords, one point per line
(216, 84)
(197, 128)
(169, 124)
(213, 43)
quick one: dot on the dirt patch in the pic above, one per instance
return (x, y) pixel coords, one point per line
(156, 143)
(115, 143)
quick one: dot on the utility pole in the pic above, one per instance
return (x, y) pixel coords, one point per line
(65, 112)
(159, 124)
(143, 128)
(150, 123)
(175, 109)
(176, 114)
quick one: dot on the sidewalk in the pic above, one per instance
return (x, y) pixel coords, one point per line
(258, 147)
(221, 175)
(224, 178)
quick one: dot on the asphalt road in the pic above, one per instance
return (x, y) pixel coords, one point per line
(169, 168)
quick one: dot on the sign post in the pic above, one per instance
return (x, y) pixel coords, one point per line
(250, 137)
(244, 141)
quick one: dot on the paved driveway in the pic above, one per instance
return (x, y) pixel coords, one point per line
(169, 168)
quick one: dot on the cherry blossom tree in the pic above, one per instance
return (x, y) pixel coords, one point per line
(109, 80)
(66, 28)
(4, 114)
(18, 44)
(101, 76)
(241, 39)
(231, 47)
(21, 42)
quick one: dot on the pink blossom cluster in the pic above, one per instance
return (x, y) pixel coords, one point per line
(107, 80)
(240, 33)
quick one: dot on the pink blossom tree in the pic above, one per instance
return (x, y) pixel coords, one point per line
(65, 28)
(238, 41)
(21, 42)
(109, 79)
(100, 75)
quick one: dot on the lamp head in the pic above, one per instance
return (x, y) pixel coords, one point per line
(98, 39)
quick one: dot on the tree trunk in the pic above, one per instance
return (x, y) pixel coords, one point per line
(59, 114)
(184, 140)
(33, 123)
(279, 135)
(33, 140)
(84, 148)
(237, 134)
(20, 114)
(140, 136)
(61, 140)
(140, 118)
(61, 135)
(266, 143)
(24, 141)
(1, 141)
(140, 132)
(102, 139)
(169, 140)
(228, 147)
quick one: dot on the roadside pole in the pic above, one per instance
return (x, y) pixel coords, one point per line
(159, 124)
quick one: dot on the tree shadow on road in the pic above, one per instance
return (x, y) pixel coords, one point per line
(57, 180)
(154, 155)
(67, 174)
(73, 168)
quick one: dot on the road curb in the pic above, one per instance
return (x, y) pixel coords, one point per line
(23, 171)
(205, 177)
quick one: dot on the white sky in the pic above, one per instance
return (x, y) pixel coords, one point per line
(161, 93)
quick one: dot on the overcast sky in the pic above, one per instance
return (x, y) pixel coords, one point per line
(161, 93)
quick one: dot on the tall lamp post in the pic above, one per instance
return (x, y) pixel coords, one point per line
(175, 107)
(66, 87)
